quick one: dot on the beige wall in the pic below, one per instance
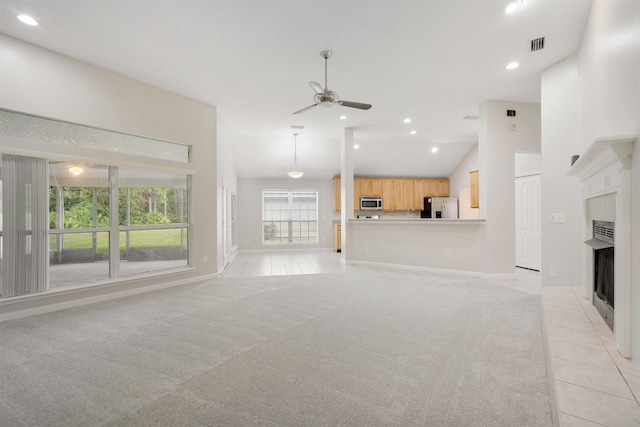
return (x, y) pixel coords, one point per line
(41, 82)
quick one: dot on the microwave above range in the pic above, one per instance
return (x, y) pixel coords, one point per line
(370, 203)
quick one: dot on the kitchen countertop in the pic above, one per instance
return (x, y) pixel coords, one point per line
(417, 220)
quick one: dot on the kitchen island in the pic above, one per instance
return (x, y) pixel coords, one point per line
(443, 245)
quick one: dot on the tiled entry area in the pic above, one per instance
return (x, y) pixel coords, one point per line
(595, 386)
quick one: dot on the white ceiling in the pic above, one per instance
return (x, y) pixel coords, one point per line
(433, 61)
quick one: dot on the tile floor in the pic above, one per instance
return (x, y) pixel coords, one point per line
(594, 385)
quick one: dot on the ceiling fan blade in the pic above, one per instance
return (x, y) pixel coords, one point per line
(305, 109)
(316, 86)
(358, 105)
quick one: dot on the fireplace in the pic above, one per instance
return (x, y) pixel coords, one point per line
(604, 171)
(603, 269)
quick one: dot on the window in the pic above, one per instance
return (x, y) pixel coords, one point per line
(289, 216)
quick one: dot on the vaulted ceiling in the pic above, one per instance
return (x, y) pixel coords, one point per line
(432, 61)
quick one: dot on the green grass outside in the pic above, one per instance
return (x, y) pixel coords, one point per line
(137, 239)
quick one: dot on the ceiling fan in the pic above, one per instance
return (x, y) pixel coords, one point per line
(327, 98)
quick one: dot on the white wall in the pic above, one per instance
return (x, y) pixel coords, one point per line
(592, 94)
(41, 82)
(459, 178)
(609, 105)
(562, 246)
(527, 164)
(250, 211)
(497, 145)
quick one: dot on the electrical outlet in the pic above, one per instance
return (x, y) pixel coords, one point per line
(448, 254)
(552, 272)
(205, 259)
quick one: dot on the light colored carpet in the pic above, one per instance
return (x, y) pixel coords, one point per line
(364, 347)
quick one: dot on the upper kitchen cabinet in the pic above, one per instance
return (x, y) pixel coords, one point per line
(376, 187)
(398, 194)
(357, 192)
(431, 188)
(365, 186)
(474, 189)
(387, 194)
(443, 187)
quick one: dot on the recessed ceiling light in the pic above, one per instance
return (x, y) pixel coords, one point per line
(343, 117)
(434, 150)
(512, 7)
(407, 120)
(356, 146)
(470, 117)
(413, 132)
(26, 19)
(512, 65)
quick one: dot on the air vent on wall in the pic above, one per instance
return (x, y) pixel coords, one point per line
(537, 44)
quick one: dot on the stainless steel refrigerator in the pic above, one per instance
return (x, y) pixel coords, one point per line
(444, 207)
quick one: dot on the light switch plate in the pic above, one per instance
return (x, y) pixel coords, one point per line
(557, 217)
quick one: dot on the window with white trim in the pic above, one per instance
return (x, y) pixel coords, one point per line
(289, 216)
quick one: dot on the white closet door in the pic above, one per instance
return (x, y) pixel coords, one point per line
(528, 222)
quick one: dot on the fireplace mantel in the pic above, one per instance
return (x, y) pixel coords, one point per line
(605, 170)
(603, 153)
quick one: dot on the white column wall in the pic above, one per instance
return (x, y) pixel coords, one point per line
(562, 247)
(497, 144)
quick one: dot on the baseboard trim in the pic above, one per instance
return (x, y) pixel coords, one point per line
(31, 305)
(432, 269)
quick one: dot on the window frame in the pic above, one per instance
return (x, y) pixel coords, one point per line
(290, 220)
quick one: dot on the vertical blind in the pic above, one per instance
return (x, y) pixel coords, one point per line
(24, 262)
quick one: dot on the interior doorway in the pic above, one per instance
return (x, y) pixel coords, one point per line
(528, 211)
(528, 227)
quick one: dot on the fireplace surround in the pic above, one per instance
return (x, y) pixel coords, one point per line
(604, 171)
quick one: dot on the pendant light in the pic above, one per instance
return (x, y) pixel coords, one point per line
(295, 173)
(75, 169)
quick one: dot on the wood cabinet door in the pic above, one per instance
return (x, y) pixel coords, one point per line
(376, 187)
(357, 182)
(398, 194)
(387, 194)
(431, 187)
(419, 193)
(474, 189)
(407, 194)
(443, 187)
(365, 186)
(336, 194)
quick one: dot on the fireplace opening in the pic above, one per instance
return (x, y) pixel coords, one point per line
(603, 265)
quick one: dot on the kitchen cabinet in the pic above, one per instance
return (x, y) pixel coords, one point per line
(376, 187)
(431, 188)
(365, 186)
(443, 187)
(407, 194)
(474, 189)
(387, 194)
(398, 195)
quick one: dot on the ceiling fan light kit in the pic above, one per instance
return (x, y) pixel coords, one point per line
(295, 173)
(328, 98)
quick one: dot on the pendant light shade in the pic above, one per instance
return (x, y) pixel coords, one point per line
(75, 169)
(295, 173)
